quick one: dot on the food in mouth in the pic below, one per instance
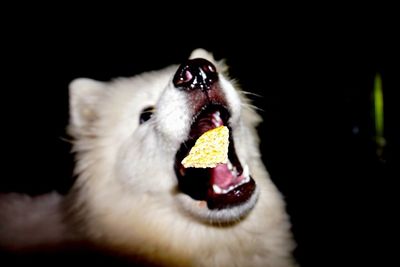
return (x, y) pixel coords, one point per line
(228, 183)
(210, 149)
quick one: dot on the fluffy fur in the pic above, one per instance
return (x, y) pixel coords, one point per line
(126, 197)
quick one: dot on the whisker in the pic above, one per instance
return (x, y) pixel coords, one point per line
(67, 139)
(251, 93)
(251, 106)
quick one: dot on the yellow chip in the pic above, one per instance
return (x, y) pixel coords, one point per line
(210, 149)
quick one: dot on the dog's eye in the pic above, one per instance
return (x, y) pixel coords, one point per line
(146, 114)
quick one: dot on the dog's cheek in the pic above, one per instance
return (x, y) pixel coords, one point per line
(173, 116)
(233, 100)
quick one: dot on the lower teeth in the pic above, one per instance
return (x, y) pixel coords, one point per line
(230, 166)
(246, 179)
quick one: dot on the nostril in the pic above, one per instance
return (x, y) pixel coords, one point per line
(195, 74)
(183, 78)
(209, 68)
(188, 76)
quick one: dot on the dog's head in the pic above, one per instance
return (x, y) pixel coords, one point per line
(133, 133)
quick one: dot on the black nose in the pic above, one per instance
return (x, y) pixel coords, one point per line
(196, 74)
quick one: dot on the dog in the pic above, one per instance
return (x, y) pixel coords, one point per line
(134, 197)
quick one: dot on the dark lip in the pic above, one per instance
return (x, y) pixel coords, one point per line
(235, 197)
(196, 182)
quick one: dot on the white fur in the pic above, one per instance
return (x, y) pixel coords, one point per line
(32, 222)
(126, 197)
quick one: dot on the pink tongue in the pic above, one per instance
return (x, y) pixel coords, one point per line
(222, 176)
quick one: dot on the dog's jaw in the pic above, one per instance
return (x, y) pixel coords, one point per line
(199, 210)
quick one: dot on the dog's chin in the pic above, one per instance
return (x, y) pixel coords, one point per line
(223, 194)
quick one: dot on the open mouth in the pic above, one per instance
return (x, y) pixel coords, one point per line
(225, 186)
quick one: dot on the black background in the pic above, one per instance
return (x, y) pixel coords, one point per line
(315, 77)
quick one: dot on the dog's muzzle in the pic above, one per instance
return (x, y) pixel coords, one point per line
(227, 185)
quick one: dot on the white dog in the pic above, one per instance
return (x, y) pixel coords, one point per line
(133, 195)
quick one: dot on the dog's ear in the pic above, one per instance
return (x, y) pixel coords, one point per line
(84, 95)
